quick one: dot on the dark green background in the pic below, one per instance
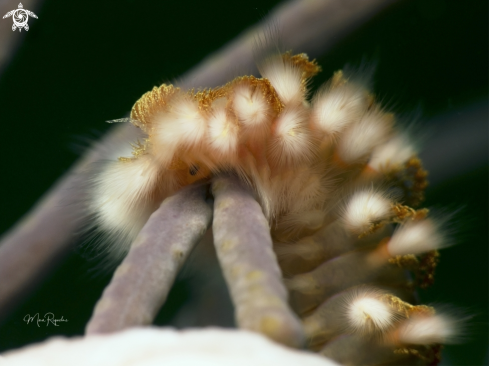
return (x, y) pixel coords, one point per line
(83, 63)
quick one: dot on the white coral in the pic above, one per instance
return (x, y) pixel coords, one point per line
(157, 346)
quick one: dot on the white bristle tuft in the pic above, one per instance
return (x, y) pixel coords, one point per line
(285, 77)
(334, 109)
(252, 110)
(416, 237)
(425, 330)
(223, 135)
(367, 313)
(124, 197)
(291, 143)
(364, 209)
(393, 153)
(360, 139)
(183, 126)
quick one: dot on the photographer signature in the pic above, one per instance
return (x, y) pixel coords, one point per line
(48, 318)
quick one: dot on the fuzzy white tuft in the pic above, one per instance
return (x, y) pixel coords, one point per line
(426, 330)
(123, 199)
(183, 126)
(360, 139)
(367, 313)
(416, 237)
(335, 109)
(285, 77)
(393, 153)
(291, 143)
(252, 110)
(223, 135)
(365, 208)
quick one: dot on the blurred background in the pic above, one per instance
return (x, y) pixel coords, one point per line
(83, 63)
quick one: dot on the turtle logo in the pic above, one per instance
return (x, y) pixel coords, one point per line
(20, 17)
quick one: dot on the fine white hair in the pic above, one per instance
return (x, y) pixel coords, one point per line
(364, 208)
(335, 109)
(438, 328)
(367, 311)
(393, 153)
(416, 237)
(285, 77)
(360, 139)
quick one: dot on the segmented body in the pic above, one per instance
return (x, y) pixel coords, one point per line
(333, 176)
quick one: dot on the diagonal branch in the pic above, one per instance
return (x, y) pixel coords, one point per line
(44, 235)
(244, 248)
(143, 280)
(310, 26)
